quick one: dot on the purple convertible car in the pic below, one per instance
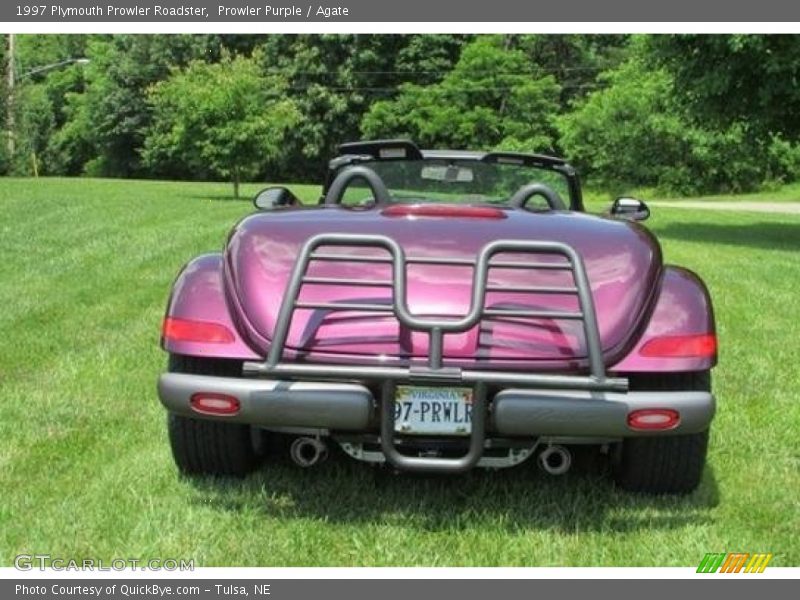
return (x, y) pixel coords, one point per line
(439, 311)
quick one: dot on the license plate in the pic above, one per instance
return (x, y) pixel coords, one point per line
(433, 410)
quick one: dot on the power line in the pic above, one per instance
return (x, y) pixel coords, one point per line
(330, 88)
(290, 72)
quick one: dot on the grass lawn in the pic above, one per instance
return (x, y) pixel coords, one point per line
(85, 468)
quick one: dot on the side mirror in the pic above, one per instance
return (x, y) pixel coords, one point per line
(630, 209)
(274, 197)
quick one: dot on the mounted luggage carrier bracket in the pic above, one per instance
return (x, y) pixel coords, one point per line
(437, 327)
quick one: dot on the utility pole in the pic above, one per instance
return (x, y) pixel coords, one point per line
(10, 125)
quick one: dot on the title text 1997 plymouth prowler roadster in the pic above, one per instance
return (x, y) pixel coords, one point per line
(437, 311)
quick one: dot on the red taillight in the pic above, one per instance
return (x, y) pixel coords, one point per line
(188, 330)
(210, 403)
(681, 346)
(443, 210)
(649, 419)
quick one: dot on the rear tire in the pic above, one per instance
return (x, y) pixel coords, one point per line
(205, 447)
(664, 464)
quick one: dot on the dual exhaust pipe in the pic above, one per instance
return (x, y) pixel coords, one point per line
(307, 452)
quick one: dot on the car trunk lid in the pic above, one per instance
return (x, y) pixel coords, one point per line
(621, 259)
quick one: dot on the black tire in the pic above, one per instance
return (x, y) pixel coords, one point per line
(664, 464)
(205, 447)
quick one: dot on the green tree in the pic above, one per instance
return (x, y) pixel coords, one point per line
(724, 79)
(426, 59)
(5, 160)
(34, 127)
(334, 79)
(44, 79)
(574, 60)
(636, 132)
(110, 118)
(629, 132)
(493, 97)
(227, 117)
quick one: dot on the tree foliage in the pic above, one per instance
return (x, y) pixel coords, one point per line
(225, 118)
(725, 79)
(639, 130)
(683, 113)
(334, 79)
(493, 97)
(121, 70)
(574, 60)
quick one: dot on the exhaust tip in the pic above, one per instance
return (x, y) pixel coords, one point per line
(306, 452)
(555, 460)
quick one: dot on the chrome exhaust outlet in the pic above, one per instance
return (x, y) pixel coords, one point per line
(555, 460)
(307, 451)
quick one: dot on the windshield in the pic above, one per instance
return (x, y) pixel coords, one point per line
(454, 180)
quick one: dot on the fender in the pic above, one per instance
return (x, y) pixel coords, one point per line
(198, 294)
(683, 307)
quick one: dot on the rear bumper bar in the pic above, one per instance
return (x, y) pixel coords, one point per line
(510, 412)
(269, 403)
(590, 414)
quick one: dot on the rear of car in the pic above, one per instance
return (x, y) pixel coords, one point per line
(452, 312)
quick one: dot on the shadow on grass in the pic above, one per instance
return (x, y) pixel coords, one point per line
(766, 235)
(521, 498)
